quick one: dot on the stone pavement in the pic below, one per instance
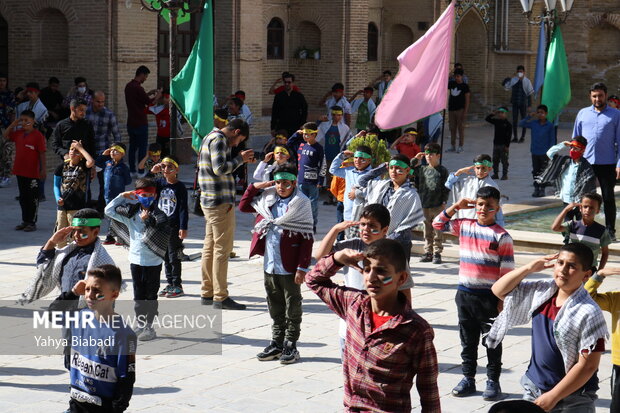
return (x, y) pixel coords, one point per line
(235, 381)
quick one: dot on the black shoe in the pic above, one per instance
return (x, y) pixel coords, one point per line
(521, 140)
(228, 304)
(466, 386)
(493, 390)
(271, 352)
(494, 176)
(428, 257)
(504, 177)
(206, 300)
(538, 193)
(514, 140)
(289, 354)
(437, 258)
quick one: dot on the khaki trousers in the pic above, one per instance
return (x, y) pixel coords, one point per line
(219, 237)
(63, 220)
(434, 238)
(456, 118)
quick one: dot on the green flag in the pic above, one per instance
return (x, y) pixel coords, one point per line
(165, 13)
(192, 89)
(556, 89)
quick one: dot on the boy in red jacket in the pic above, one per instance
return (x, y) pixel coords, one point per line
(283, 235)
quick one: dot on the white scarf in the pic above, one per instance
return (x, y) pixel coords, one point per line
(405, 206)
(298, 216)
(578, 325)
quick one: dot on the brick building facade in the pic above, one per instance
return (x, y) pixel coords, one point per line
(105, 40)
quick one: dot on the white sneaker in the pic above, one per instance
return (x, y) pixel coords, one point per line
(147, 334)
(4, 182)
(452, 149)
(459, 150)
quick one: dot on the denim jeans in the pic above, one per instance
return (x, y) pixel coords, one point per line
(580, 401)
(138, 141)
(312, 192)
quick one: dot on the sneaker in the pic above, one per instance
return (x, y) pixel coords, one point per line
(109, 240)
(147, 334)
(452, 149)
(30, 228)
(21, 226)
(4, 182)
(233, 254)
(271, 352)
(175, 292)
(466, 386)
(428, 257)
(437, 258)
(504, 177)
(459, 150)
(612, 234)
(165, 290)
(206, 300)
(139, 330)
(228, 304)
(495, 176)
(493, 390)
(289, 353)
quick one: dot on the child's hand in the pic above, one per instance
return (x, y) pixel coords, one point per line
(347, 154)
(268, 157)
(467, 170)
(300, 276)
(79, 288)
(361, 133)
(61, 235)
(351, 195)
(609, 271)
(182, 233)
(350, 258)
(323, 118)
(299, 132)
(341, 226)
(543, 263)
(264, 185)
(466, 203)
(566, 143)
(247, 156)
(546, 401)
(77, 144)
(419, 155)
(144, 214)
(107, 152)
(129, 195)
(573, 205)
(61, 202)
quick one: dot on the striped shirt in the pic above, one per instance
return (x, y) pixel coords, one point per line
(486, 252)
(215, 168)
(594, 236)
(379, 364)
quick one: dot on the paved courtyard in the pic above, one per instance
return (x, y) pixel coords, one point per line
(235, 381)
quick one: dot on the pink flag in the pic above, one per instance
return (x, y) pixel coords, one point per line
(421, 86)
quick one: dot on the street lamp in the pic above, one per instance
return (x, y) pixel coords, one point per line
(550, 15)
(173, 9)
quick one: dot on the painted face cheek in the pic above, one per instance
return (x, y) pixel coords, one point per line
(100, 297)
(375, 231)
(387, 281)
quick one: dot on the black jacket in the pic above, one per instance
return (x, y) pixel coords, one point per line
(67, 131)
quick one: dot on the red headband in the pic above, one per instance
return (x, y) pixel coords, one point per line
(577, 144)
(146, 190)
(32, 89)
(338, 90)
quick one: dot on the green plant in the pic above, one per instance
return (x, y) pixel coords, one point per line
(380, 152)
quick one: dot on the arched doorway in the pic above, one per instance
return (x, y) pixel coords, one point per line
(471, 50)
(4, 46)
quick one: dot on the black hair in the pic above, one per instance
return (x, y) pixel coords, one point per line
(373, 129)
(34, 85)
(516, 406)
(598, 86)
(581, 140)
(483, 157)
(400, 157)
(520, 67)
(584, 253)
(377, 212)
(410, 130)
(236, 101)
(458, 72)
(154, 147)
(488, 192)
(337, 86)
(336, 107)
(368, 89)
(364, 148)
(387, 72)
(433, 147)
(543, 107)
(77, 102)
(87, 213)
(79, 80)
(53, 79)
(145, 183)
(109, 273)
(222, 113)
(389, 249)
(310, 125)
(28, 113)
(286, 75)
(3, 76)
(239, 124)
(282, 132)
(457, 65)
(240, 92)
(286, 167)
(142, 70)
(594, 197)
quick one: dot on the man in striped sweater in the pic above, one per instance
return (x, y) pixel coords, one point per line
(486, 255)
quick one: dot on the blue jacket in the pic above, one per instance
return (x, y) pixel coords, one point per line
(115, 177)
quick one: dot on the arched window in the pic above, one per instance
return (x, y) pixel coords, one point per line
(373, 42)
(53, 35)
(275, 39)
(400, 39)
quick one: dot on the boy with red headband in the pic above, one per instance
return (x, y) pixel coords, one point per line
(572, 175)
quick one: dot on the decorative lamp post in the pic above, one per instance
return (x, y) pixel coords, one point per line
(550, 15)
(174, 12)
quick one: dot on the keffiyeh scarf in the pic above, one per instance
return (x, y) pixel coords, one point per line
(297, 219)
(157, 232)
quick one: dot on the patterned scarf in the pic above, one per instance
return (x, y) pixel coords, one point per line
(157, 233)
(585, 182)
(297, 219)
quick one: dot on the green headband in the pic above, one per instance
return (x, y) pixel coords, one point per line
(502, 110)
(284, 175)
(401, 164)
(429, 151)
(86, 222)
(484, 163)
(361, 154)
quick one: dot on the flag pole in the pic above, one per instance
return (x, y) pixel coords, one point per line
(443, 128)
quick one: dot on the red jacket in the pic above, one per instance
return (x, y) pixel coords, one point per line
(295, 250)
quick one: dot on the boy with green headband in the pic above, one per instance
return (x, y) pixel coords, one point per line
(283, 235)
(501, 140)
(116, 177)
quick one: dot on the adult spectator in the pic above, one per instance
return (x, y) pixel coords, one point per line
(217, 200)
(105, 127)
(7, 148)
(79, 91)
(245, 109)
(600, 125)
(235, 109)
(137, 101)
(521, 98)
(290, 109)
(458, 105)
(52, 99)
(274, 89)
(382, 83)
(34, 104)
(74, 128)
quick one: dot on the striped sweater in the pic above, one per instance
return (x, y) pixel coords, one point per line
(486, 252)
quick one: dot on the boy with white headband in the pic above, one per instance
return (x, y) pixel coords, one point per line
(283, 235)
